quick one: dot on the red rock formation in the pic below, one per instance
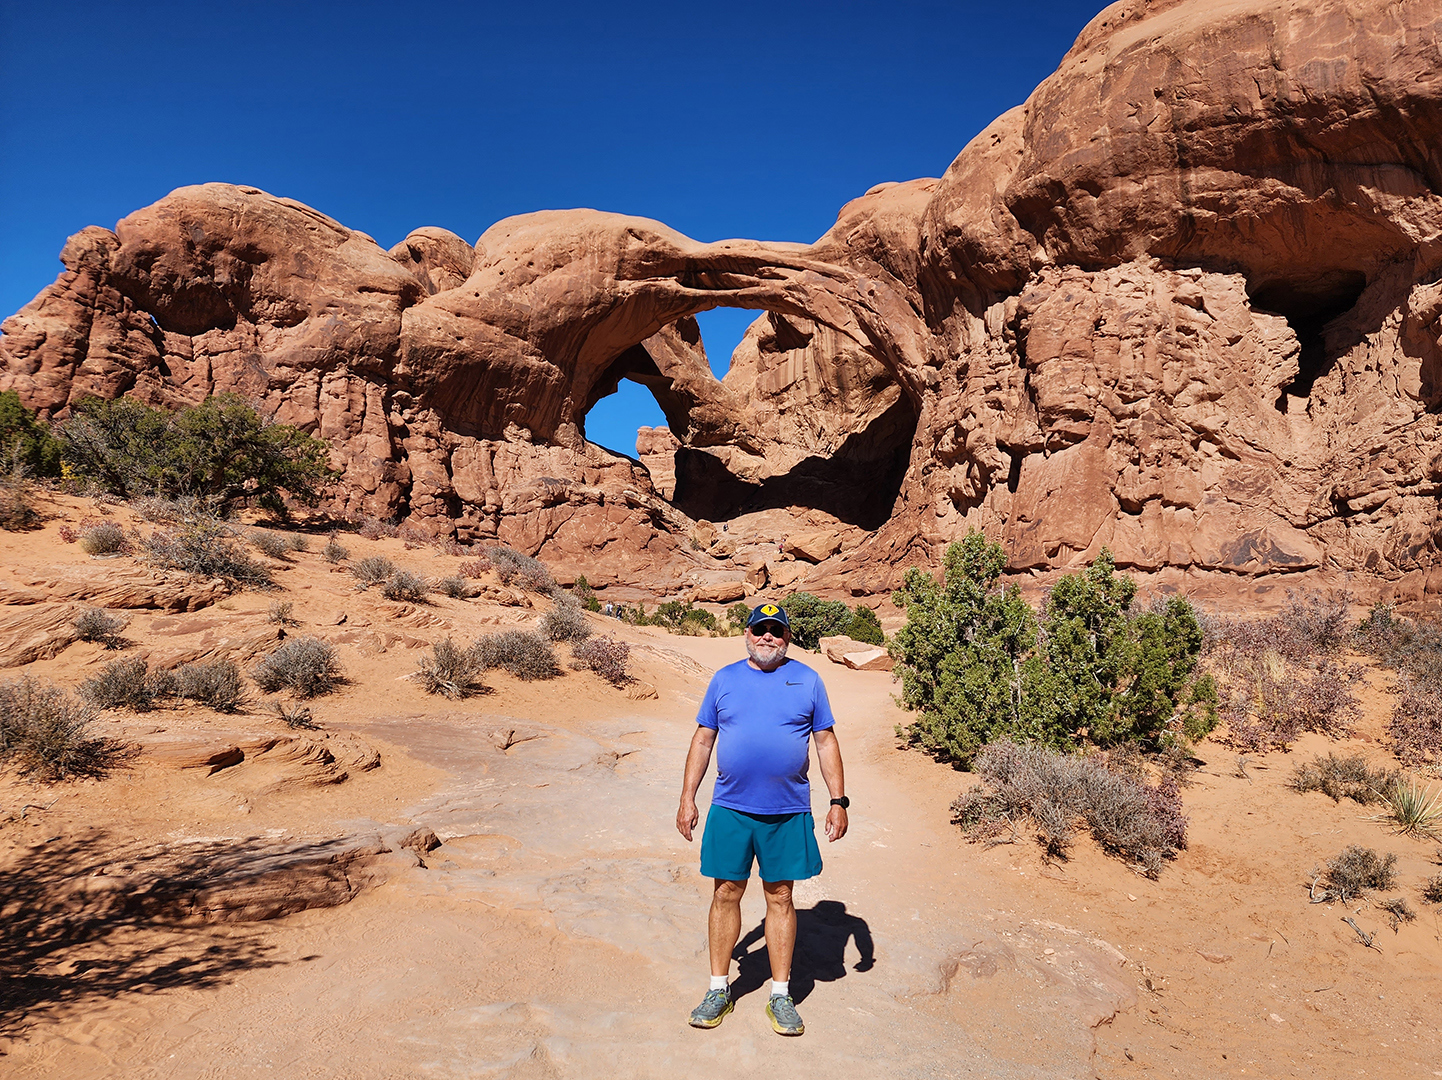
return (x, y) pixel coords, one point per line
(1183, 302)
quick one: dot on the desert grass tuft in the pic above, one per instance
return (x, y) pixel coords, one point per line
(272, 545)
(334, 551)
(106, 538)
(372, 570)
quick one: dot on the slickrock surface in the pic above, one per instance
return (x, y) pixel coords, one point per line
(1182, 302)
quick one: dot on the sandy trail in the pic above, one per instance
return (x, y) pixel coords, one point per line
(560, 931)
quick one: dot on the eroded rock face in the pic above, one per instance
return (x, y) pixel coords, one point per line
(1183, 302)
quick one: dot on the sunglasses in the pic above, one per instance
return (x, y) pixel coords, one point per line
(761, 629)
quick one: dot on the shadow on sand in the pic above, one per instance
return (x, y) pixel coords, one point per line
(822, 932)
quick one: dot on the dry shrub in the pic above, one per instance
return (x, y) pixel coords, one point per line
(1432, 889)
(1398, 911)
(98, 625)
(205, 547)
(1355, 872)
(524, 654)
(1415, 727)
(295, 716)
(297, 542)
(477, 567)
(565, 622)
(451, 671)
(334, 551)
(1341, 778)
(128, 684)
(104, 538)
(372, 570)
(454, 586)
(372, 528)
(46, 734)
(282, 612)
(216, 684)
(446, 545)
(1054, 791)
(1268, 701)
(511, 565)
(606, 656)
(306, 666)
(272, 545)
(17, 501)
(67, 534)
(405, 586)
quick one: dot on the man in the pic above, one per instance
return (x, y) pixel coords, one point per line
(764, 709)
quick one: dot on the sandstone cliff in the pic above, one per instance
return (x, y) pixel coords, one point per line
(1183, 302)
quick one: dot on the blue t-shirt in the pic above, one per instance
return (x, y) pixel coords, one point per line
(763, 721)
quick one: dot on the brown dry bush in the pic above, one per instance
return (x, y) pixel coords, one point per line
(334, 551)
(524, 654)
(98, 625)
(1055, 791)
(128, 684)
(272, 545)
(1354, 872)
(407, 587)
(477, 567)
(372, 570)
(104, 538)
(606, 656)
(1432, 890)
(372, 528)
(1268, 701)
(216, 684)
(205, 547)
(1339, 778)
(451, 671)
(511, 565)
(1398, 912)
(306, 666)
(565, 622)
(453, 586)
(46, 734)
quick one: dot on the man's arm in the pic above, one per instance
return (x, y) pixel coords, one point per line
(697, 758)
(828, 753)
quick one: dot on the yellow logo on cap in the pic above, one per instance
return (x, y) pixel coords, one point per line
(771, 609)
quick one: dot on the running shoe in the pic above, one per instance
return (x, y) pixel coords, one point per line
(713, 1009)
(785, 1020)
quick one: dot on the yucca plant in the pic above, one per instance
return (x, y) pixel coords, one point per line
(1411, 810)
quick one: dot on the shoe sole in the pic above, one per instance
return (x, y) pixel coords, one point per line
(713, 1023)
(776, 1027)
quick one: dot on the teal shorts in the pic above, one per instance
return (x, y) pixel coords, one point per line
(783, 845)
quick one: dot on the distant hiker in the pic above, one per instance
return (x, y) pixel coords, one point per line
(610, 608)
(759, 714)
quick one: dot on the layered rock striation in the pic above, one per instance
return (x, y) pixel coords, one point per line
(1184, 302)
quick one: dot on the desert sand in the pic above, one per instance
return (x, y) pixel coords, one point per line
(558, 928)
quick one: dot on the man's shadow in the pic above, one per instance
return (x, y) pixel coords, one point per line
(821, 936)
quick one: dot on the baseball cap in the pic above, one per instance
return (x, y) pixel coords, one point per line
(768, 613)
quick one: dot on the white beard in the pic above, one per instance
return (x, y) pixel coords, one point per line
(766, 657)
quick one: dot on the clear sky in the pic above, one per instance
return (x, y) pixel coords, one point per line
(722, 120)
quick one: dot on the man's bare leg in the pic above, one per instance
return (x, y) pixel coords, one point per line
(724, 926)
(780, 928)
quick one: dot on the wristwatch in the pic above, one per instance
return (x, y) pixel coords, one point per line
(842, 802)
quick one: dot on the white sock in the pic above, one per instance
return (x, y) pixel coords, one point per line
(782, 988)
(718, 982)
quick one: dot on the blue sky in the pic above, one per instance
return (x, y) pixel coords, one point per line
(739, 119)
